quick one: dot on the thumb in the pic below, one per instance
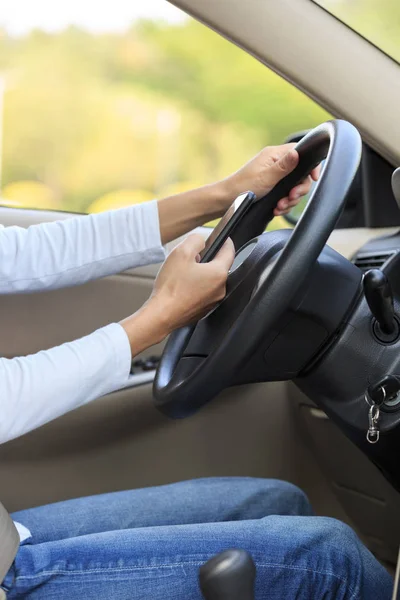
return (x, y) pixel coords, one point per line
(226, 255)
(285, 164)
(192, 245)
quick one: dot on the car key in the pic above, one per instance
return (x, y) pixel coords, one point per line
(374, 397)
(373, 424)
(385, 390)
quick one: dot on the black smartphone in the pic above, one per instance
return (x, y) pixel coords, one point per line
(227, 226)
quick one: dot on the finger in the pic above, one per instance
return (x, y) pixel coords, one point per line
(275, 153)
(292, 204)
(226, 255)
(285, 164)
(283, 203)
(280, 213)
(315, 173)
(300, 190)
(281, 150)
(193, 244)
(281, 206)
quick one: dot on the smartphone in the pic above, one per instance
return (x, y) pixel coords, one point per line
(227, 226)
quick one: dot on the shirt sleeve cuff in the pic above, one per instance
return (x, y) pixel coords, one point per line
(121, 354)
(122, 376)
(146, 224)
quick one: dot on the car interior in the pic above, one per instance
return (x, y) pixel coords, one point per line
(296, 374)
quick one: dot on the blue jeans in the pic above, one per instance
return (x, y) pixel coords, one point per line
(149, 544)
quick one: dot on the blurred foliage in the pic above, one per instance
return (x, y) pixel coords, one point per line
(119, 199)
(377, 20)
(103, 119)
(30, 194)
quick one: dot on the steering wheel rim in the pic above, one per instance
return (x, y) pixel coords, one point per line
(178, 393)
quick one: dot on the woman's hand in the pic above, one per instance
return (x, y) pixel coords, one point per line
(184, 291)
(183, 212)
(264, 171)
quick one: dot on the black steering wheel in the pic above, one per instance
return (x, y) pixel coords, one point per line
(199, 361)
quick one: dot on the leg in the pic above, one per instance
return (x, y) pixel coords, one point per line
(301, 558)
(196, 501)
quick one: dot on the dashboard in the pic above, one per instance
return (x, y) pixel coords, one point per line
(377, 252)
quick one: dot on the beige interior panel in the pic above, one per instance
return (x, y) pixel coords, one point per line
(348, 241)
(366, 496)
(332, 64)
(34, 322)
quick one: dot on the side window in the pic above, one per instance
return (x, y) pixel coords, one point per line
(98, 114)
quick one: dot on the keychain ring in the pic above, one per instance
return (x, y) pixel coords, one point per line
(370, 402)
(373, 439)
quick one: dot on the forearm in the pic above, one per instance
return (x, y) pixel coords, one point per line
(148, 326)
(184, 212)
(38, 388)
(71, 252)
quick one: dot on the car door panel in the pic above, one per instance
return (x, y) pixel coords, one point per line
(39, 321)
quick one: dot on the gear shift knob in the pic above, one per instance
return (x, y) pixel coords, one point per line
(229, 575)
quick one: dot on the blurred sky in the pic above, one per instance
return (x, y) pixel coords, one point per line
(20, 16)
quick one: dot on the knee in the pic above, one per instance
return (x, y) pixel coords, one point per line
(353, 562)
(255, 498)
(265, 497)
(337, 534)
(319, 556)
(286, 497)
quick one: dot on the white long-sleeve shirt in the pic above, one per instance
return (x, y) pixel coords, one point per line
(38, 388)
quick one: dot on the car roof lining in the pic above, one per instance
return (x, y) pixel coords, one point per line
(321, 60)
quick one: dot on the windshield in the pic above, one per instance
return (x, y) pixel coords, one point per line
(376, 20)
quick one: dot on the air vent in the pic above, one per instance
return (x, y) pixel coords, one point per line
(372, 260)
